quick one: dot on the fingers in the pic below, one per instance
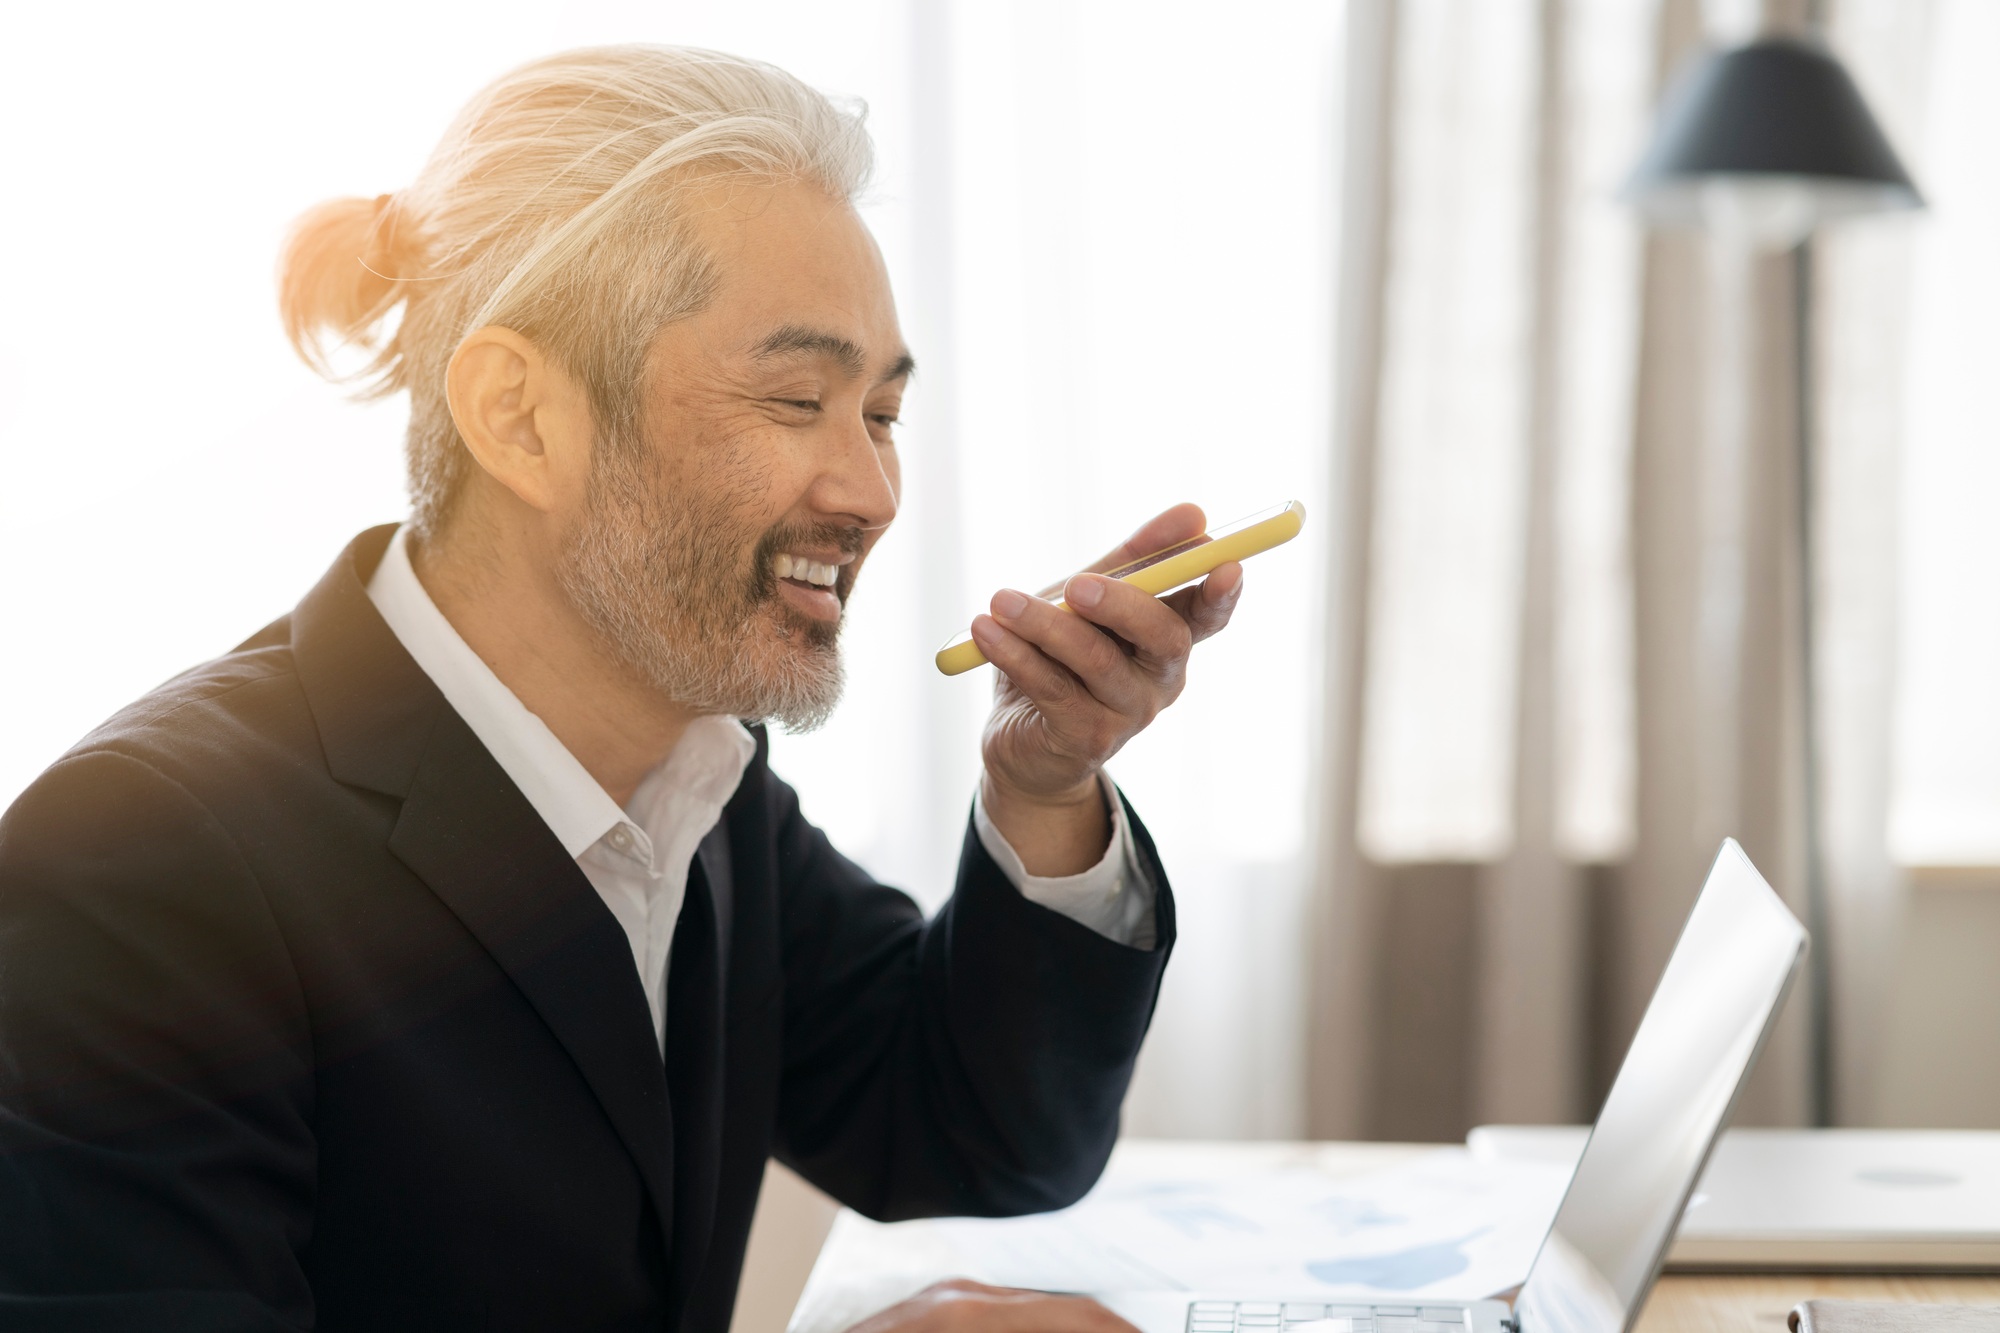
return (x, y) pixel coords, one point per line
(1008, 1309)
(1046, 683)
(1159, 634)
(1047, 652)
(961, 1306)
(1168, 528)
(1161, 643)
(1076, 653)
(1208, 605)
(1041, 1313)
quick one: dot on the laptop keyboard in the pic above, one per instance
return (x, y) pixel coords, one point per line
(1258, 1317)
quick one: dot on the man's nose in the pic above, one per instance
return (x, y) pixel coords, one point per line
(857, 482)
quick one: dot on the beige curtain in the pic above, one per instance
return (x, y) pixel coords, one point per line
(1563, 622)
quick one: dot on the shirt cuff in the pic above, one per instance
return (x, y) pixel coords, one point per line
(1113, 897)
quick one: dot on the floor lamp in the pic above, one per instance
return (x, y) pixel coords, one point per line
(1768, 141)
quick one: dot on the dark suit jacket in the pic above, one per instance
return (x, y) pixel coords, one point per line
(307, 1021)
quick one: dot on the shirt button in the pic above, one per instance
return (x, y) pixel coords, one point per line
(621, 838)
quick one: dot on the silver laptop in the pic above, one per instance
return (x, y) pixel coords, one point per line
(1842, 1200)
(1701, 1034)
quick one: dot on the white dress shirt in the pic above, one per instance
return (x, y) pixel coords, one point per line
(637, 857)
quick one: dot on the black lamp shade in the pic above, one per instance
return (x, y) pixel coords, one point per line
(1780, 115)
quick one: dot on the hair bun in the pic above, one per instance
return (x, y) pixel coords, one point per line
(337, 277)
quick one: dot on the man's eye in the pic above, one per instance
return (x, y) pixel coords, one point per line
(803, 404)
(885, 419)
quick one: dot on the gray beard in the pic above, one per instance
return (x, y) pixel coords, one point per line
(660, 585)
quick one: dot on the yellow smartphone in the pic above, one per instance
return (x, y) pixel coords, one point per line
(1164, 571)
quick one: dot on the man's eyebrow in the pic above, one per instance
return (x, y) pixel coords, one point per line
(798, 340)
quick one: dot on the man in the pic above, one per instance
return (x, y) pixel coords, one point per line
(447, 956)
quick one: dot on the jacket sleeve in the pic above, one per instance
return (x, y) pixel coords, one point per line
(156, 1160)
(973, 1064)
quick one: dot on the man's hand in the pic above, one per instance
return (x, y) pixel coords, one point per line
(960, 1306)
(1075, 685)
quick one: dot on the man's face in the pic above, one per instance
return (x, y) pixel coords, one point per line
(717, 559)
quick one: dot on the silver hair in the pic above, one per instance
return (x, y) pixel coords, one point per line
(555, 205)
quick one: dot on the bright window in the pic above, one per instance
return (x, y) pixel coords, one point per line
(1946, 802)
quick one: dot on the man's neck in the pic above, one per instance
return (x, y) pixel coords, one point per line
(526, 632)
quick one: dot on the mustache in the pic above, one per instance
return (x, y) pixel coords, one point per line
(846, 538)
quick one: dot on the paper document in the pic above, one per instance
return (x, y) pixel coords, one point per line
(1443, 1225)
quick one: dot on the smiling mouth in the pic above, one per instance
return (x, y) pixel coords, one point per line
(813, 593)
(804, 570)
(807, 571)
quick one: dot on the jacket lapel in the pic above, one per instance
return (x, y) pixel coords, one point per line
(481, 848)
(474, 839)
(694, 1076)
(713, 858)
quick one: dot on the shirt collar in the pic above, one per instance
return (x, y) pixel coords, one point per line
(571, 802)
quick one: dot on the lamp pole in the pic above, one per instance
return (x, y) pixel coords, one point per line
(1819, 976)
(1771, 139)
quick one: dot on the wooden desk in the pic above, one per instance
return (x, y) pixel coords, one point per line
(1691, 1303)
(865, 1265)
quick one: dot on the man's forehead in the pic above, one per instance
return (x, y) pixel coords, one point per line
(807, 341)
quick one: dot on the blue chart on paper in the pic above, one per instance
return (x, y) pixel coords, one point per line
(1346, 1215)
(1441, 1224)
(1197, 1218)
(1400, 1270)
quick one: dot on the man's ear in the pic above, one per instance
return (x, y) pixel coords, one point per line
(526, 422)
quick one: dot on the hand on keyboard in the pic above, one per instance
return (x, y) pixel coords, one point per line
(961, 1306)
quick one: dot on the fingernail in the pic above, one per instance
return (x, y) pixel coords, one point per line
(984, 631)
(1008, 604)
(1084, 592)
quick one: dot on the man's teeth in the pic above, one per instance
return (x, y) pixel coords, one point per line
(804, 570)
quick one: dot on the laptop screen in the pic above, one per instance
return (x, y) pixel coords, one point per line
(1701, 1033)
